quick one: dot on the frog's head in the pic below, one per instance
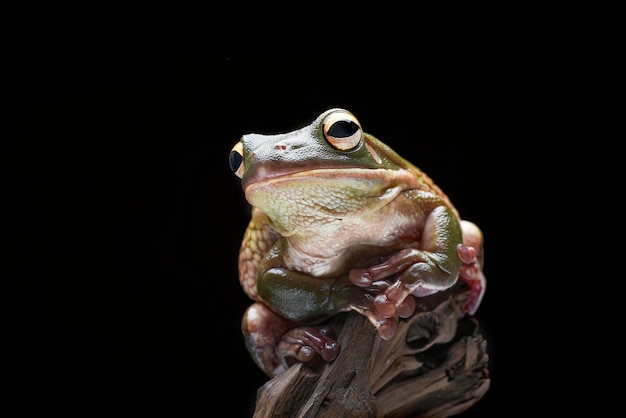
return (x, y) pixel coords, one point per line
(323, 172)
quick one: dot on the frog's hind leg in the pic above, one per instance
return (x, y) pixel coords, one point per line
(275, 343)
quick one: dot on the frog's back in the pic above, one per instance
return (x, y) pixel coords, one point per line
(424, 182)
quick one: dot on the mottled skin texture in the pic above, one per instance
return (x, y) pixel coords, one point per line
(341, 222)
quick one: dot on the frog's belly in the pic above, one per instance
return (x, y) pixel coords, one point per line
(333, 254)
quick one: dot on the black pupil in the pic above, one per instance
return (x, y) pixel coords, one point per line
(343, 129)
(235, 160)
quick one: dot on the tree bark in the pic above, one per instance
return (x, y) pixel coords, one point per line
(436, 365)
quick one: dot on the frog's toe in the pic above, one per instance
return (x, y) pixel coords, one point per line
(466, 253)
(387, 328)
(304, 343)
(406, 307)
(360, 277)
(384, 307)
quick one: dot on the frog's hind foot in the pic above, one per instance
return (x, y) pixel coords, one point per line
(472, 274)
(304, 343)
(276, 343)
(471, 255)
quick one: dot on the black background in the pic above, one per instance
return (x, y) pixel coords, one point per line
(125, 220)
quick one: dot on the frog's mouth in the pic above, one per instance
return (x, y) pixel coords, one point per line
(263, 176)
(303, 199)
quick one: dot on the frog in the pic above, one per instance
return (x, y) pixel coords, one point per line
(340, 222)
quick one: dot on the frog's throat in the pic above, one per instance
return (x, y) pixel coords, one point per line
(310, 199)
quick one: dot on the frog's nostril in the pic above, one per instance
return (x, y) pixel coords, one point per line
(288, 147)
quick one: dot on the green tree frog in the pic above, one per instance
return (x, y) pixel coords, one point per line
(341, 222)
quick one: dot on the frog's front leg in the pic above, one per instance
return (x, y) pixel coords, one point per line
(431, 266)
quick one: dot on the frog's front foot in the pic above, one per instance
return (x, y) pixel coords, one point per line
(275, 343)
(387, 291)
(382, 309)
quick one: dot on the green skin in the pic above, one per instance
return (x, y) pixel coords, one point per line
(337, 229)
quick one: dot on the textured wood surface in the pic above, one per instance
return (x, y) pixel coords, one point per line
(436, 365)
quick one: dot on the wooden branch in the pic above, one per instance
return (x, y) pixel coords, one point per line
(434, 366)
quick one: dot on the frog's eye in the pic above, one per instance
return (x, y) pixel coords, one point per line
(236, 159)
(342, 130)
